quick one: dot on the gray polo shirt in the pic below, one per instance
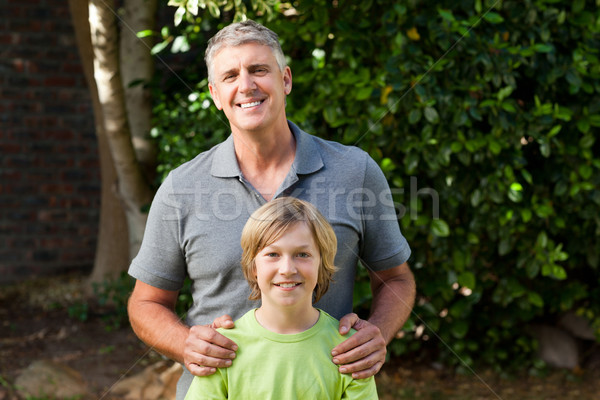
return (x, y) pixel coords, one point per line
(198, 213)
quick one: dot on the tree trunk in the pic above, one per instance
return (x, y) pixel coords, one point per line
(133, 189)
(112, 250)
(137, 68)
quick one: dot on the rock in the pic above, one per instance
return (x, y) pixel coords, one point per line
(158, 381)
(49, 379)
(557, 347)
(577, 325)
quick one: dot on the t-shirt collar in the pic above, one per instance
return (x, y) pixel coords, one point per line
(306, 161)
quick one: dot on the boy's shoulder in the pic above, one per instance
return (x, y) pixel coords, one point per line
(332, 327)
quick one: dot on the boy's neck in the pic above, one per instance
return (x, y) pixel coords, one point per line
(287, 321)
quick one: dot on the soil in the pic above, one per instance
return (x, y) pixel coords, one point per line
(35, 324)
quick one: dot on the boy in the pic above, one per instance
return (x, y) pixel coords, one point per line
(284, 353)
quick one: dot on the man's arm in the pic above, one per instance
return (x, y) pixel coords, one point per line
(363, 354)
(200, 348)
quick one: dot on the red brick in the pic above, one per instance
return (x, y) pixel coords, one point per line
(59, 81)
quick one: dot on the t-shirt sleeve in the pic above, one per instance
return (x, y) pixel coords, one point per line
(160, 261)
(383, 245)
(360, 389)
(212, 387)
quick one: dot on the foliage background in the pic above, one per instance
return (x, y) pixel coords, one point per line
(483, 115)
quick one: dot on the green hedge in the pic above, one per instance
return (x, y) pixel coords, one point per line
(485, 120)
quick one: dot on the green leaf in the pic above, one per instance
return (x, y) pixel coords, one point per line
(505, 246)
(431, 115)
(493, 18)
(476, 197)
(467, 279)
(214, 10)
(179, 14)
(440, 228)
(527, 176)
(414, 116)
(145, 33)
(585, 171)
(535, 299)
(447, 15)
(192, 6)
(159, 47)
(364, 93)
(459, 329)
(526, 215)
(559, 272)
(543, 48)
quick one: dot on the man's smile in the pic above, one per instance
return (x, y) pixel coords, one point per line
(251, 104)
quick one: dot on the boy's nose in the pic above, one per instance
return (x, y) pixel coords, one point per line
(287, 267)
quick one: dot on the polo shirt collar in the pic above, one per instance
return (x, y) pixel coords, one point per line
(306, 160)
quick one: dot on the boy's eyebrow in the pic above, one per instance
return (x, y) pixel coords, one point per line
(300, 246)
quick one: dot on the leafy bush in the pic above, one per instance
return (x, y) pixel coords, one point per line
(484, 116)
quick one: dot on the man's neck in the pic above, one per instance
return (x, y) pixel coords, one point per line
(287, 320)
(265, 158)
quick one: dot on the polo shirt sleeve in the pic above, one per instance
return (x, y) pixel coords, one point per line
(383, 245)
(160, 261)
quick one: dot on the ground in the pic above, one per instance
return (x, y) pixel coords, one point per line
(35, 324)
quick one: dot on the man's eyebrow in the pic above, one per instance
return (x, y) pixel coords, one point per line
(257, 66)
(229, 72)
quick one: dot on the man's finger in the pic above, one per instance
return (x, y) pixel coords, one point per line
(224, 321)
(347, 321)
(366, 373)
(201, 337)
(359, 338)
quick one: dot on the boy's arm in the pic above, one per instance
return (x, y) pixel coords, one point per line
(363, 354)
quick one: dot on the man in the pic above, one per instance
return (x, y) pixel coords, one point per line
(197, 216)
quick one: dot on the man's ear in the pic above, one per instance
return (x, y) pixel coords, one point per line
(287, 80)
(215, 96)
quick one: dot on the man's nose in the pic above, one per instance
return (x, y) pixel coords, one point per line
(246, 82)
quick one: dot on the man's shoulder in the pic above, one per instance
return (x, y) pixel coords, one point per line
(331, 146)
(199, 164)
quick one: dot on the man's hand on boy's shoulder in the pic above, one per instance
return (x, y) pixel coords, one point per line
(363, 354)
(206, 349)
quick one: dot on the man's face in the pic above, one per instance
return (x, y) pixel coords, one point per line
(249, 87)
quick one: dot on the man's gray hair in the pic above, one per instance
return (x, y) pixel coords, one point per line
(239, 34)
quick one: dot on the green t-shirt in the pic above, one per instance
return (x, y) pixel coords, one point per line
(273, 366)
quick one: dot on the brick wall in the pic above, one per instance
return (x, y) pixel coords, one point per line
(49, 173)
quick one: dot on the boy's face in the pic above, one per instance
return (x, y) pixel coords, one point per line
(287, 270)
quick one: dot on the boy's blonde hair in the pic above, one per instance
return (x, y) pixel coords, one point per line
(267, 224)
